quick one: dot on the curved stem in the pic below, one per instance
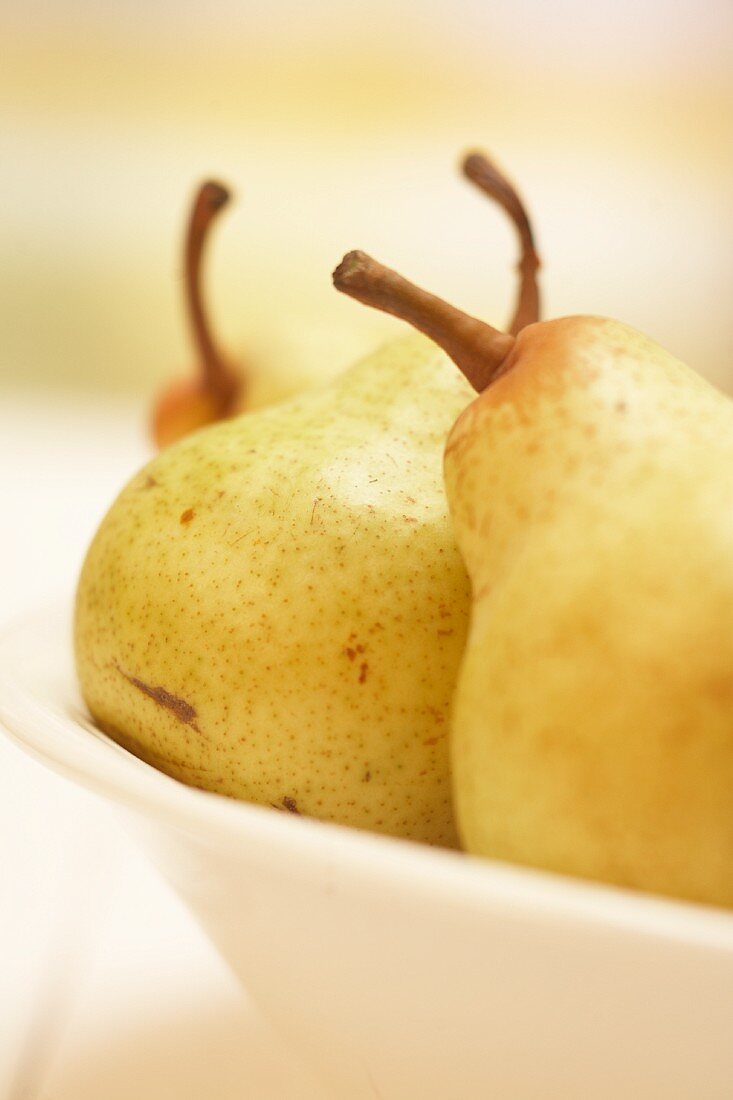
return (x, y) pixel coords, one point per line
(476, 348)
(217, 377)
(487, 177)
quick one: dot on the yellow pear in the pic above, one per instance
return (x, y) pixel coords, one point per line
(591, 490)
(275, 609)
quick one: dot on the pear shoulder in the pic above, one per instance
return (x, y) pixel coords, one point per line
(596, 372)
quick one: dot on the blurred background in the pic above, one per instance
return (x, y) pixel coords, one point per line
(337, 125)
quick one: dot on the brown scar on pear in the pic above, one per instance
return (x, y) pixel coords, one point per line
(181, 709)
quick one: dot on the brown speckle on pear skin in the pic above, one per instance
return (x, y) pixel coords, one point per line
(187, 516)
(290, 805)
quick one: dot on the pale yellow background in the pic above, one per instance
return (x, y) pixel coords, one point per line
(338, 124)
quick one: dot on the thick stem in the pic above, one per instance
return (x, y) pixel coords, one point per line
(475, 347)
(487, 177)
(217, 378)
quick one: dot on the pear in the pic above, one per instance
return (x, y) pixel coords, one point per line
(591, 490)
(275, 608)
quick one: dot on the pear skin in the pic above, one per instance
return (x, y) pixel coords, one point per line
(275, 609)
(591, 489)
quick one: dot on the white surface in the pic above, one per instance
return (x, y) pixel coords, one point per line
(99, 961)
(398, 970)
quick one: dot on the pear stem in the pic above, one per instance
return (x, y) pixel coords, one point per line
(476, 348)
(217, 378)
(487, 177)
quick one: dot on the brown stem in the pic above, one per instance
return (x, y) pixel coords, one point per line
(475, 347)
(214, 391)
(217, 378)
(487, 177)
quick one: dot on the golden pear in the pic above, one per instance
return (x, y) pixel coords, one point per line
(275, 608)
(591, 490)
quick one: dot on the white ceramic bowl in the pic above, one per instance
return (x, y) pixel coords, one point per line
(403, 972)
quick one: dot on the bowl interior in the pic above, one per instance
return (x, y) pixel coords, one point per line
(393, 966)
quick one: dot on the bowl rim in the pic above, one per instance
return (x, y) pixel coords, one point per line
(42, 712)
